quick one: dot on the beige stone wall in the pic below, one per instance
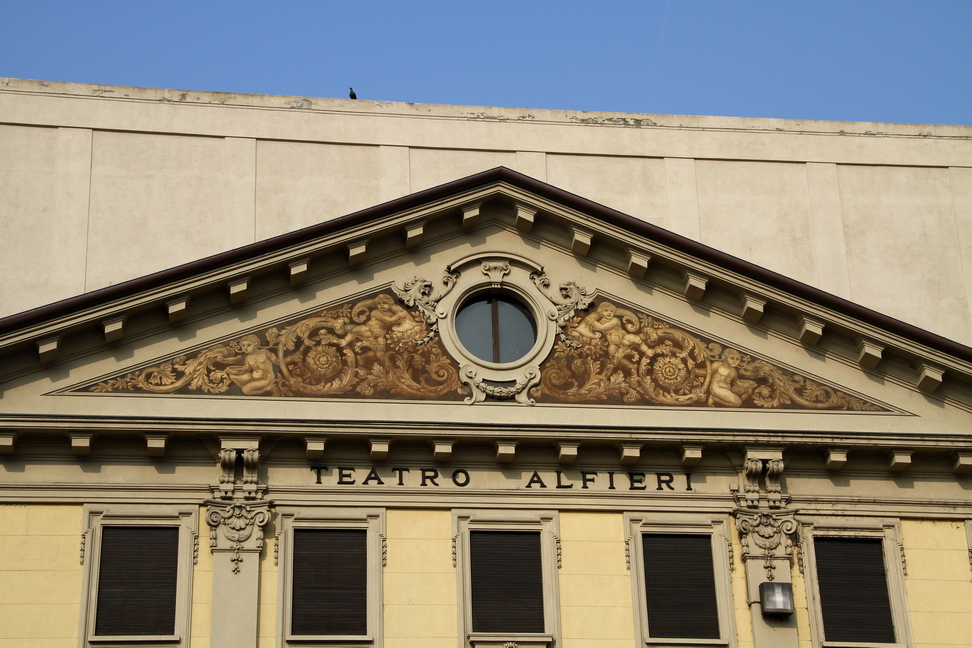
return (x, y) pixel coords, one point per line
(102, 185)
(595, 586)
(40, 575)
(939, 582)
(419, 583)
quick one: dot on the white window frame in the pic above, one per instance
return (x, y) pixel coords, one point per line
(548, 524)
(95, 517)
(717, 527)
(889, 532)
(314, 517)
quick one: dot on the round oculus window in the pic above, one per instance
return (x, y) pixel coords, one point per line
(496, 328)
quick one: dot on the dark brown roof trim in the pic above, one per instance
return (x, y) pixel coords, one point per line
(499, 174)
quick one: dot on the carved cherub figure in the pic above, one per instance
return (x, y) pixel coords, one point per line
(385, 317)
(256, 375)
(620, 336)
(726, 388)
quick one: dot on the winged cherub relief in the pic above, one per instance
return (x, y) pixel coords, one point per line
(616, 354)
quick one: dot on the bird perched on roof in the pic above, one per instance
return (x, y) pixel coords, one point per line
(352, 95)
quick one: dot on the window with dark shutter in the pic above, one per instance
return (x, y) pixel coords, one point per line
(330, 582)
(137, 581)
(507, 581)
(853, 589)
(680, 586)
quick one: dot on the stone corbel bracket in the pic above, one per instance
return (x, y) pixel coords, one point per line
(768, 464)
(766, 536)
(247, 449)
(241, 527)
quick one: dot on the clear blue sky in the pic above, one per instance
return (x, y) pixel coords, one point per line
(876, 60)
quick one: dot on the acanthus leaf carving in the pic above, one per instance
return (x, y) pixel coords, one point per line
(241, 526)
(766, 536)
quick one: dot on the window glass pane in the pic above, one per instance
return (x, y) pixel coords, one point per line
(507, 581)
(137, 580)
(680, 586)
(853, 590)
(496, 328)
(330, 578)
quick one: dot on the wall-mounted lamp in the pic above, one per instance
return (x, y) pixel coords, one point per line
(776, 598)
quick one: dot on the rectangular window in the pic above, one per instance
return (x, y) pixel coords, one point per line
(330, 577)
(853, 590)
(138, 574)
(507, 569)
(855, 583)
(680, 579)
(507, 581)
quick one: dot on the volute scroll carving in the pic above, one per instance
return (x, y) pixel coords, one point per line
(241, 526)
(766, 536)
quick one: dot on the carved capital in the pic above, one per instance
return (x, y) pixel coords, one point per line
(766, 536)
(236, 527)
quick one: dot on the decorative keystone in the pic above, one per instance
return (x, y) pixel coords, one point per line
(899, 460)
(525, 217)
(752, 308)
(836, 458)
(567, 452)
(580, 241)
(869, 354)
(962, 462)
(315, 446)
(47, 349)
(929, 377)
(114, 329)
(155, 443)
(177, 308)
(379, 448)
(413, 234)
(356, 252)
(691, 455)
(637, 264)
(811, 330)
(694, 286)
(505, 450)
(470, 215)
(298, 271)
(442, 449)
(237, 289)
(630, 452)
(81, 443)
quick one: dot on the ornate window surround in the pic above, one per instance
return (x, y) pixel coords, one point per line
(886, 529)
(96, 516)
(314, 517)
(548, 524)
(717, 527)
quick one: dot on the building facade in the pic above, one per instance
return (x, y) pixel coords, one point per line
(365, 374)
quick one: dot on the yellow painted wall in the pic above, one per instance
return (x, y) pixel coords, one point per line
(800, 602)
(40, 575)
(740, 596)
(267, 623)
(420, 604)
(939, 583)
(202, 588)
(595, 585)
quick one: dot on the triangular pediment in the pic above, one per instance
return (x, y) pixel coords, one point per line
(359, 315)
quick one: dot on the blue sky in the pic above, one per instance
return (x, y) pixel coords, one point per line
(884, 61)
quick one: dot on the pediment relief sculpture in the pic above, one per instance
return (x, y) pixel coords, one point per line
(492, 327)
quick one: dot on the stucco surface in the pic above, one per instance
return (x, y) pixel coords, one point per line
(103, 185)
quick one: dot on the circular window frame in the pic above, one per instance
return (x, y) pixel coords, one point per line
(498, 273)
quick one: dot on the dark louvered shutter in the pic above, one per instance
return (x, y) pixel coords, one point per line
(137, 580)
(330, 595)
(507, 581)
(853, 590)
(680, 586)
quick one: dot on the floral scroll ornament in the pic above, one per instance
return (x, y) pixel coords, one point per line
(766, 537)
(240, 523)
